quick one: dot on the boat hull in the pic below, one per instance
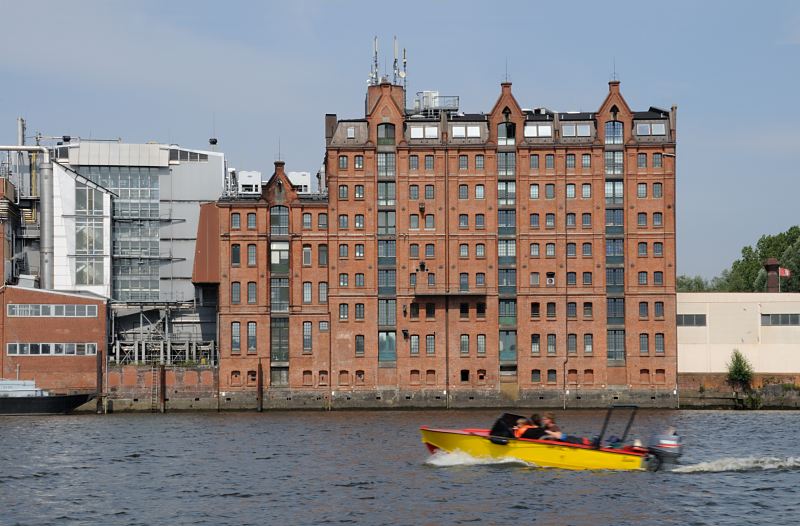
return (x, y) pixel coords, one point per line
(42, 405)
(543, 453)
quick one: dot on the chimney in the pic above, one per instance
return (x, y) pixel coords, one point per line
(505, 87)
(279, 165)
(772, 274)
(613, 86)
(330, 127)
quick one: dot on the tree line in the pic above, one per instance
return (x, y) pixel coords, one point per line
(747, 273)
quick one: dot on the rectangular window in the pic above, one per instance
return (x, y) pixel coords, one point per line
(570, 191)
(641, 160)
(462, 162)
(413, 162)
(549, 161)
(616, 345)
(587, 309)
(506, 193)
(429, 162)
(586, 191)
(480, 221)
(387, 312)
(587, 279)
(251, 255)
(387, 346)
(586, 250)
(658, 278)
(342, 162)
(386, 165)
(657, 160)
(322, 221)
(236, 222)
(344, 311)
(549, 191)
(429, 191)
(307, 292)
(463, 191)
(323, 292)
(551, 344)
(659, 343)
(699, 320)
(414, 344)
(251, 337)
(430, 344)
(306, 337)
(658, 219)
(430, 222)
(658, 311)
(236, 255)
(572, 343)
(614, 163)
(586, 220)
(306, 221)
(479, 162)
(586, 160)
(236, 292)
(506, 164)
(359, 311)
(657, 190)
(588, 343)
(481, 344)
(642, 278)
(279, 294)
(535, 344)
(359, 345)
(251, 293)
(534, 162)
(464, 344)
(386, 193)
(236, 345)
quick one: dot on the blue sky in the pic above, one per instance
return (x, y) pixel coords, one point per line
(257, 73)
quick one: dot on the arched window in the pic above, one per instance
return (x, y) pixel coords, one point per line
(279, 220)
(385, 133)
(614, 132)
(506, 134)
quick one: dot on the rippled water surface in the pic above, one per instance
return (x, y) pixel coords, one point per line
(370, 468)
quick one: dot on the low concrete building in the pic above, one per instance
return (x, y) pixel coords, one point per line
(764, 327)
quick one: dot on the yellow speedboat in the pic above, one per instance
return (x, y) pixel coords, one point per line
(577, 454)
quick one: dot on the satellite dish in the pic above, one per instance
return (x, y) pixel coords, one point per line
(401, 74)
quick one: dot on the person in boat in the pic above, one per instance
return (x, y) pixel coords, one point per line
(535, 430)
(551, 429)
(529, 428)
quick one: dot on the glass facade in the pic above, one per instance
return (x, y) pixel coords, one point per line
(135, 230)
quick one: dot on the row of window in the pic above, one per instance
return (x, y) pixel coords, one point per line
(35, 310)
(358, 162)
(236, 221)
(51, 349)
(236, 293)
(657, 160)
(236, 337)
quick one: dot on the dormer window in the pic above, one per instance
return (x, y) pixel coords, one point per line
(351, 132)
(506, 134)
(386, 134)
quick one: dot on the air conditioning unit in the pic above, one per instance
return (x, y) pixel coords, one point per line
(551, 282)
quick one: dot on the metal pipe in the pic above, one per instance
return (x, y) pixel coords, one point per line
(20, 131)
(46, 211)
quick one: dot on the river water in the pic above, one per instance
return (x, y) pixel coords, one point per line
(313, 468)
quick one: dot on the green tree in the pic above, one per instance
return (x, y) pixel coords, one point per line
(740, 372)
(691, 284)
(745, 273)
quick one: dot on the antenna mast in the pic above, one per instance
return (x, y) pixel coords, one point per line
(394, 66)
(404, 74)
(374, 75)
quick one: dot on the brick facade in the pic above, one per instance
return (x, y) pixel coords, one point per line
(71, 368)
(510, 237)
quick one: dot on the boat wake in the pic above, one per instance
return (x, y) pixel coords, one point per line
(459, 458)
(742, 465)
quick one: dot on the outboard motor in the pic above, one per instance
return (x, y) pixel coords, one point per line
(666, 447)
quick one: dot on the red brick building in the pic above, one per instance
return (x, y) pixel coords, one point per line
(465, 259)
(56, 338)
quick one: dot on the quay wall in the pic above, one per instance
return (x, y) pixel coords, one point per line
(130, 388)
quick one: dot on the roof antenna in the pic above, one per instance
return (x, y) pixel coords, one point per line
(614, 73)
(394, 67)
(506, 69)
(403, 75)
(375, 61)
(279, 148)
